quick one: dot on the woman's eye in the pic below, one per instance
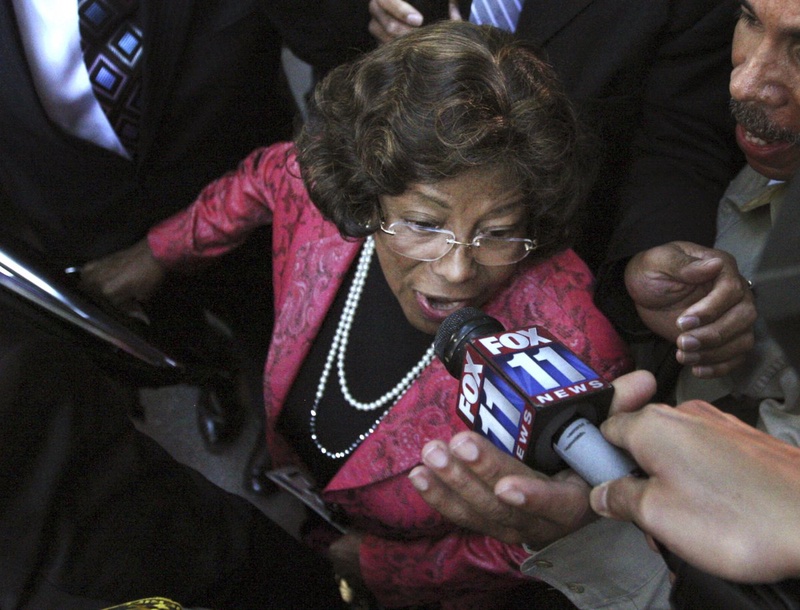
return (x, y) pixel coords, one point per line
(500, 232)
(422, 224)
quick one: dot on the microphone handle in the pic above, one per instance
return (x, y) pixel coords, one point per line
(581, 445)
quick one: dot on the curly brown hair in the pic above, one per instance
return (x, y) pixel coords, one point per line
(433, 104)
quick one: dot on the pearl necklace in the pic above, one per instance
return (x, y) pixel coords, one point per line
(338, 351)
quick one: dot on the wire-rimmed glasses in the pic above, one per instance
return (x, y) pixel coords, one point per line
(429, 244)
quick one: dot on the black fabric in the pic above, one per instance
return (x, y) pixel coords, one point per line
(383, 347)
(651, 80)
(212, 91)
(93, 513)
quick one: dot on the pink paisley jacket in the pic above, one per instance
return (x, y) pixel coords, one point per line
(410, 554)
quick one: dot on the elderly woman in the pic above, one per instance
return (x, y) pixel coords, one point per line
(441, 171)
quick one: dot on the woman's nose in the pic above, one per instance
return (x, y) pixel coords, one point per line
(456, 266)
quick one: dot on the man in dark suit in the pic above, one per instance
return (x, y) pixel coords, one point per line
(210, 93)
(212, 89)
(651, 80)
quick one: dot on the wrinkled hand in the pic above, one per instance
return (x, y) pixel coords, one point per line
(393, 18)
(480, 488)
(720, 494)
(126, 278)
(696, 297)
(344, 554)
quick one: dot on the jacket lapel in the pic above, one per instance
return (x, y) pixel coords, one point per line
(304, 306)
(540, 20)
(424, 413)
(19, 93)
(165, 27)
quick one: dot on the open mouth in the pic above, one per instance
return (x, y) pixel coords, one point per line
(753, 139)
(438, 308)
(764, 152)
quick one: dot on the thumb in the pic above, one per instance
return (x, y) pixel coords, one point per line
(699, 270)
(632, 391)
(618, 499)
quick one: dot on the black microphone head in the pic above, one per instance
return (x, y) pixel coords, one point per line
(458, 329)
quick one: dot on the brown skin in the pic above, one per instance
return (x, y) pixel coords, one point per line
(479, 487)
(466, 205)
(695, 297)
(766, 74)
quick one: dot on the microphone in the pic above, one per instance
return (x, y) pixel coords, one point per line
(536, 400)
(531, 396)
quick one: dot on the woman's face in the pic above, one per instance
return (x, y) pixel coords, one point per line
(472, 203)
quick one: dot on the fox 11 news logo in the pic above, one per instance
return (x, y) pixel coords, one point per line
(520, 388)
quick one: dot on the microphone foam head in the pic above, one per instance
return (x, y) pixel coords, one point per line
(456, 331)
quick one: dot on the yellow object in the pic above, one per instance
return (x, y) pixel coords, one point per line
(149, 603)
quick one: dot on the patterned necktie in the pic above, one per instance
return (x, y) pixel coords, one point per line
(499, 13)
(112, 49)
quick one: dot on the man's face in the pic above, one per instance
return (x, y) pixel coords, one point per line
(765, 85)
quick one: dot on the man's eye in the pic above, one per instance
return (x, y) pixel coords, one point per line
(747, 17)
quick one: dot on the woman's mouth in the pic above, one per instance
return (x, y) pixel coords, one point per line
(437, 308)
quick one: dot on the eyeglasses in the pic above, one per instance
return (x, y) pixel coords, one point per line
(429, 244)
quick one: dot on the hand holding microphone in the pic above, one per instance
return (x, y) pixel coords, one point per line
(505, 406)
(531, 396)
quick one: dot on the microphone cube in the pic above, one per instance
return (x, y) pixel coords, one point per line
(520, 388)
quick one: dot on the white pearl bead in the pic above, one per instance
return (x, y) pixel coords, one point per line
(338, 351)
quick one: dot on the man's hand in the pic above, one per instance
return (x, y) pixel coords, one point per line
(393, 18)
(720, 494)
(696, 297)
(126, 278)
(479, 487)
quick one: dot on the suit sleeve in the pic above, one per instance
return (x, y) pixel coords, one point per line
(684, 153)
(226, 211)
(323, 34)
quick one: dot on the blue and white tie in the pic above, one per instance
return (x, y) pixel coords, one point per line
(112, 49)
(499, 13)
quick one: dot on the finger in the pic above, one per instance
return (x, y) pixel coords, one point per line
(473, 473)
(135, 310)
(733, 350)
(442, 497)
(632, 391)
(470, 466)
(621, 428)
(484, 460)
(731, 326)
(562, 501)
(619, 499)
(712, 371)
(694, 270)
(377, 32)
(455, 12)
(479, 511)
(392, 18)
(729, 289)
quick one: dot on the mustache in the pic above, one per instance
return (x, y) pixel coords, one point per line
(755, 120)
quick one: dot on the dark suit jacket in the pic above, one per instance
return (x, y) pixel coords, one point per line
(95, 513)
(651, 78)
(211, 93)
